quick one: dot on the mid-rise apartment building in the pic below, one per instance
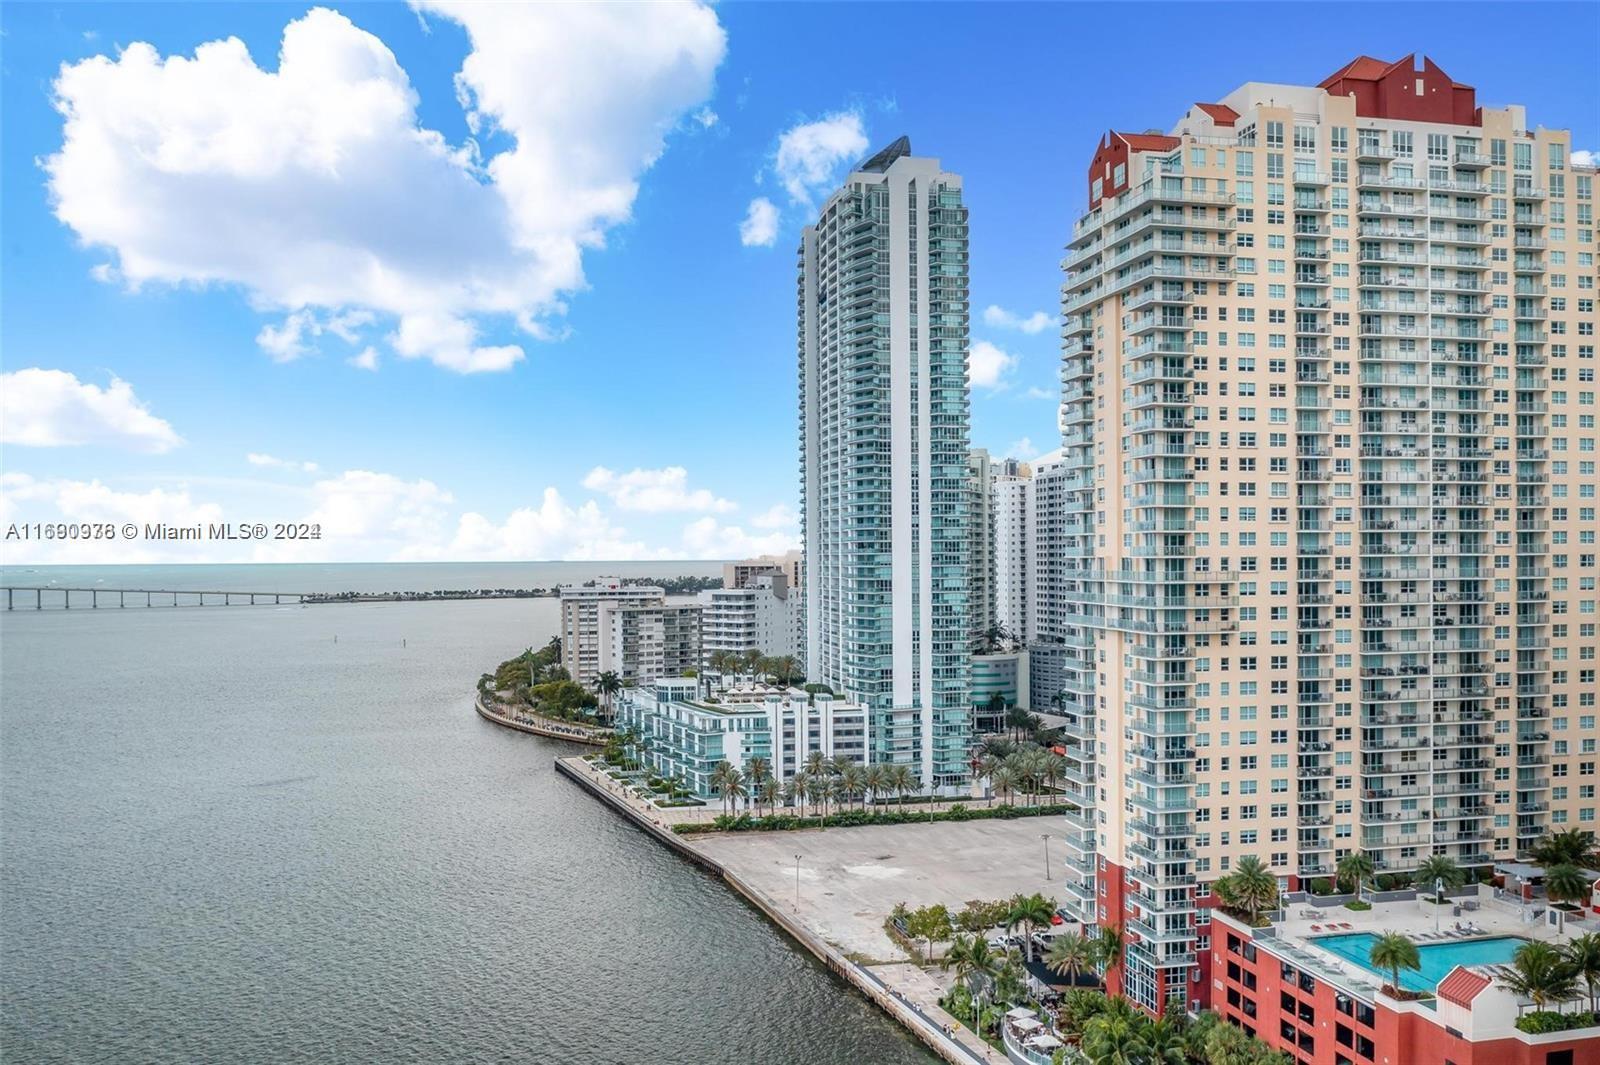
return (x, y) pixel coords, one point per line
(1051, 544)
(1328, 420)
(644, 642)
(762, 615)
(1011, 550)
(581, 621)
(882, 339)
(786, 565)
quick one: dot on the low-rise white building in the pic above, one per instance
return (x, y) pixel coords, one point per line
(687, 732)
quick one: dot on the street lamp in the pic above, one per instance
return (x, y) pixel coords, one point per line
(1046, 837)
(797, 883)
(1438, 901)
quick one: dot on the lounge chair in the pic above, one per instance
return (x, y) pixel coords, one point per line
(1316, 928)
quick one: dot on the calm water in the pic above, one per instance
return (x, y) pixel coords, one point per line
(227, 837)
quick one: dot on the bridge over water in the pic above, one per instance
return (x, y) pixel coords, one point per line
(57, 597)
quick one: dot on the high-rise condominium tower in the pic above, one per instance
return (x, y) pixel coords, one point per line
(883, 445)
(1329, 362)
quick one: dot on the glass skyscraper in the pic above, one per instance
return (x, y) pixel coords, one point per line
(883, 332)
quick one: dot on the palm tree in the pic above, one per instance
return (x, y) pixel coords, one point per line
(1440, 869)
(1354, 868)
(757, 771)
(972, 959)
(1055, 767)
(852, 781)
(1394, 952)
(1164, 1043)
(1068, 955)
(903, 781)
(1572, 847)
(1539, 971)
(1566, 883)
(733, 787)
(768, 792)
(1583, 957)
(794, 791)
(1108, 948)
(719, 781)
(875, 778)
(1253, 887)
(1003, 781)
(1114, 1039)
(1033, 911)
(608, 684)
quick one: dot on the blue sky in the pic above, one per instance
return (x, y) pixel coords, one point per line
(224, 239)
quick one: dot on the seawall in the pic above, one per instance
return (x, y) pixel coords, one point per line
(860, 977)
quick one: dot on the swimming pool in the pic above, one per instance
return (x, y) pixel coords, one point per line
(1437, 958)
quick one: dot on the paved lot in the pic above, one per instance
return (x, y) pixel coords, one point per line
(851, 878)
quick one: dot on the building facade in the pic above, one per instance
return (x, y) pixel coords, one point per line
(1011, 550)
(1051, 544)
(1328, 417)
(581, 621)
(980, 547)
(786, 565)
(883, 331)
(644, 642)
(686, 733)
(761, 615)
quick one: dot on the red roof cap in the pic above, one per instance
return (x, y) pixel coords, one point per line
(1221, 114)
(1149, 142)
(1462, 985)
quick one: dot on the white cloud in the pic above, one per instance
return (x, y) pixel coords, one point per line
(707, 538)
(1021, 449)
(1035, 392)
(988, 366)
(314, 188)
(553, 530)
(778, 516)
(705, 117)
(24, 498)
(760, 226)
(654, 491)
(1000, 318)
(810, 153)
(272, 462)
(1584, 157)
(367, 360)
(52, 408)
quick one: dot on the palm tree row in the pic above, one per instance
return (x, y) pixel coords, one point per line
(1028, 769)
(784, 669)
(838, 781)
(1546, 973)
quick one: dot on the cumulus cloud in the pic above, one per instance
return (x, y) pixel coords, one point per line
(1035, 392)
(52, 408)
(654, 491)
(553, 530)
(989, 366)
(1584, 157)
(1021, 449)
(366, 360)
(778, 516)
(24, 498)
(809, 154)
(272, 462)
(1000, 318)
(760, 226)
(314, 188)
(708, 538)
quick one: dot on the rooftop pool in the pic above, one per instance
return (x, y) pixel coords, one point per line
(1437, 958)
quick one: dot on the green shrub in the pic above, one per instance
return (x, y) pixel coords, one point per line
(1358, 905)
(1322, 886)
(1540, 1021)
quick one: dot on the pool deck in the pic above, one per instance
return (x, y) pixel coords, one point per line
(1493, 918)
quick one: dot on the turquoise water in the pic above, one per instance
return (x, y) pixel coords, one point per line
(1437, 958)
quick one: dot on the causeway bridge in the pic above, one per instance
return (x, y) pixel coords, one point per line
(58, 597)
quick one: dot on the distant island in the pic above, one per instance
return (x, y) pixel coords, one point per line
(670, 585)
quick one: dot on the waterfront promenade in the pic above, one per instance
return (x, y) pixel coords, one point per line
(833, 889)
(539, 725)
